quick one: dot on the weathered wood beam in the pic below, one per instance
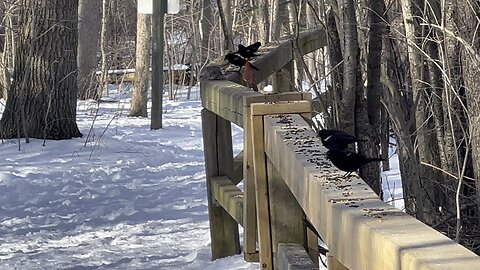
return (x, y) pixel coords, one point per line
(261, 193)
(300, 106)
(271, 195)
(293, 257)
(250, 234)
(225, 99)
(217, 141)
(228, 99)
(285, 228)
(229, 196)
(279, 55)
(361, 231)
(312, 41)
(237, 174)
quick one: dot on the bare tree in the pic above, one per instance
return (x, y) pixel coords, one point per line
(42, 98)
(88, 37)
(142, 65)
(103, 48)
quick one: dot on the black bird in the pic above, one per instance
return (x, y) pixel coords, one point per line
(250, 50)
(336, 139)
(348, 161)
(237, 60)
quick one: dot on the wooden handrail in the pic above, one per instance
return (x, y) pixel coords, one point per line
(361, 231)
(228, 99)
(275, 56)
(284, 164)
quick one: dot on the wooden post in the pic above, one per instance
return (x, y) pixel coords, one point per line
(284, 225)
(263, 208)
(249, 205)
(287, 216)
(312, 246)
(159, 10)
(217, 141)
(293, 257)
(282, 79)
(334, 264)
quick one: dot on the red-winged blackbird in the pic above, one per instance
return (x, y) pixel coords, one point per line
(237, 60)
(336, 139)
(250, 50)
(348, 161)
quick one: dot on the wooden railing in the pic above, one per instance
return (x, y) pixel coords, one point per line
(287, 180)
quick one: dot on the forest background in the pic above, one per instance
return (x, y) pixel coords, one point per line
(406, 69)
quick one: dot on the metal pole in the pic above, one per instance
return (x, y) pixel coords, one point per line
(159, 10)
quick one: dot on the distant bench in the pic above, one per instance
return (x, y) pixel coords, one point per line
(181, 75)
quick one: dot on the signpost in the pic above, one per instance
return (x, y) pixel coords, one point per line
(158, 8)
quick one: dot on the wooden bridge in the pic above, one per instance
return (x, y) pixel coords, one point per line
(287, 180)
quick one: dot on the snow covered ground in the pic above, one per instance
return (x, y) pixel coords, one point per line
(126, 198)
(121, 197)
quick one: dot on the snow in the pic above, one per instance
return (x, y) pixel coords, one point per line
(121, 197)
(126, 197)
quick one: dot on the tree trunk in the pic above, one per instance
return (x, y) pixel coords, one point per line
(206, 29)
(453, 105)
(336, 67)
(43, 94)
(263, 21)
(399, 103)
(350, 67)
(88, 37)
(103, 91)
(368, 110)
(224, 9)
(142, 65)
(426, 140)
(469, 32)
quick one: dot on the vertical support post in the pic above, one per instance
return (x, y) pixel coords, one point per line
(263, 209)
(334, 264)
(282, 79)
(159, 10)
(249, 205)
(307, 115)
(287, 224)
(217, 141)
(312, 246)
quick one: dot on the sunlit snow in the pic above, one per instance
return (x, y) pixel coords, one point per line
(121, 197)
(126, 197)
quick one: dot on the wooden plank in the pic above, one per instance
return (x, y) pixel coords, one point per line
(262, 199)
(250, 215)
(282, 79)
(334, 264)
(360, 230)
(293, 256)
(311, 41)
(227, 99)
(312, 247)
(237, 174)
(302, 106)
(280, 54)
(308, 115)
(285, 228)
(229, 196)
(273, 98)
(218, 161)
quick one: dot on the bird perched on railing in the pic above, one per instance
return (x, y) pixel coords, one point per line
(237, 60)
(348, 161)
(336, 139)
(250, 50)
